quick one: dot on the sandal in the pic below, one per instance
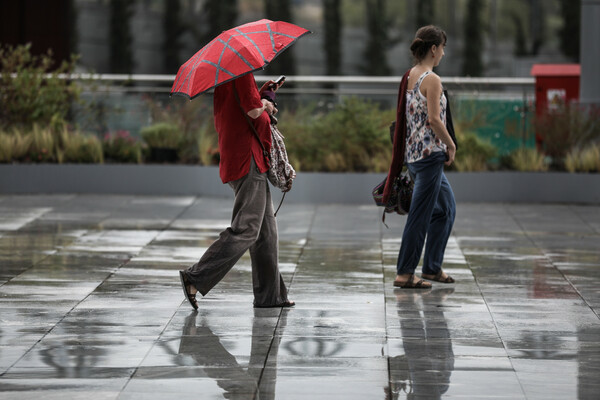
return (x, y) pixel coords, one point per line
(410, 283)
(185, 284)
(286, 303)
(438, 278)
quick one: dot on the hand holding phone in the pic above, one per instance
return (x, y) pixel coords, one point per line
(278, 82)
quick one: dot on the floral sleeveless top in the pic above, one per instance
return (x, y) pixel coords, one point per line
(420, 138)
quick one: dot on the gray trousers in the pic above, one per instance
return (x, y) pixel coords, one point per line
(254, 228)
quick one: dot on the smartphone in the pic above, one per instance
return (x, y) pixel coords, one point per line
(278, 81)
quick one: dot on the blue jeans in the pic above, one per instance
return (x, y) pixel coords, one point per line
(431, 214)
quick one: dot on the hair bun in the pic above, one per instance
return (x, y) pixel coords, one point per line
(416, 44)
(426, 37)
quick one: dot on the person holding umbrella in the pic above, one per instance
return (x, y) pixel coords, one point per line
(226, 63)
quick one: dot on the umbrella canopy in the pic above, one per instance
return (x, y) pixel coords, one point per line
(235, 52)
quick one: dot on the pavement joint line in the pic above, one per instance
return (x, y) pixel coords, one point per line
(513, 369)
(310, 226)
(111, 274)
(545, 255)
(165, 228)
(385, 320)
(508, 209)
(72, 308)
(523, 333)
(584, 220)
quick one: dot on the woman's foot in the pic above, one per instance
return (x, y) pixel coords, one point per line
(188, 290)
(410, 281)
(287, 303)
(441, 276)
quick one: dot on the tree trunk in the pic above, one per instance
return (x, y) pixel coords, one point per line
(333, 33)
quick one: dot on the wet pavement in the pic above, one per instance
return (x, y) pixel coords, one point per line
(91, 307)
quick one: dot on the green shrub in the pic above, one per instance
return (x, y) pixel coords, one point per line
(120, 147)
(80, 148)
(14, 146)
(162, 135)
(32, 92)
(195, 121)
(353, 136)
(43, 145)
(473, 153)
(527, 159)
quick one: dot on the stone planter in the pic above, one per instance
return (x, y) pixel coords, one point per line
(352, 188)
(163, 155)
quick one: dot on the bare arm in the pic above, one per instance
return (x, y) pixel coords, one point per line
(432, 89)
(267, 106)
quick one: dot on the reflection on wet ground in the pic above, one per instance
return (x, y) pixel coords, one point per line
(90, 305)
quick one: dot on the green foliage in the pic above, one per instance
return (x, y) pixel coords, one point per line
(162, 135)
(195, 121)
(473, 153)
(120, 147)
(13, 146)
(42, 147)
(527, 159)
(353, 136)
(32, 92)
(79, 148)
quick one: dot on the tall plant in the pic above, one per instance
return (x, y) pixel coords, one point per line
(32, 91)
(121, 53)
(474, 31)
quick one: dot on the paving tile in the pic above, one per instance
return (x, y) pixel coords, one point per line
(91, 306)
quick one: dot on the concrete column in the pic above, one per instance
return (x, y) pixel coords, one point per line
(590, 56)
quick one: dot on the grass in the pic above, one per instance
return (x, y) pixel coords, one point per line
(584, 160)
(526, 159)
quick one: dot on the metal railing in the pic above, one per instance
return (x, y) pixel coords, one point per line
(310, 84)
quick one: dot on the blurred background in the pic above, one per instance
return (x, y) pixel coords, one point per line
(136, 47)
(350, 37)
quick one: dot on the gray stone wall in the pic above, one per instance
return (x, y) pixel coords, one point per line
(325, 188)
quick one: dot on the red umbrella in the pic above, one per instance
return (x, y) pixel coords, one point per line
(235, 52)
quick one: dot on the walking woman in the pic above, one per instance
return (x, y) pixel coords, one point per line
(425, 145)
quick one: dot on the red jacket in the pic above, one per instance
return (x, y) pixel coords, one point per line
(399, 139)
(237, 141)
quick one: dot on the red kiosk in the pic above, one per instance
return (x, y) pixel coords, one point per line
(555, 84)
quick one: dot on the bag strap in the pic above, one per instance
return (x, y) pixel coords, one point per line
(237, 99)
(265, 153)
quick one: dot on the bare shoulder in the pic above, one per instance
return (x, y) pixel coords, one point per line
(432, 79)
(432, 84)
